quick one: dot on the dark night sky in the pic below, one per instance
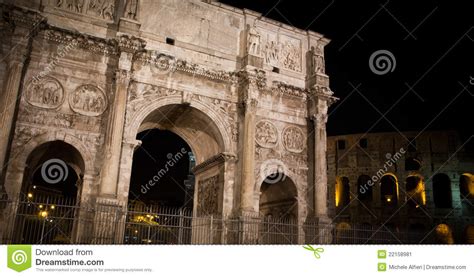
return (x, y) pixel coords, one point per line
(433, 50)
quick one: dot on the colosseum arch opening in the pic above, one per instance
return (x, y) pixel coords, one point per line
(442, 197)
(342, 192)
(389, 190)
(49, 195)
(415, 191)
(466, 186)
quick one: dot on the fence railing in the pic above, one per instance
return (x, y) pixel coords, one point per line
(50, 220)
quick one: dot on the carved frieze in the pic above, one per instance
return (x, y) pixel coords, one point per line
(280, 88)
(282, 51)
(100, 8)
(45, 93)
(160, 64)
(50, 118)
(88, 100)
(139, 91)
(208, 196)
(88, 43)
(266, 134)
(293, 139)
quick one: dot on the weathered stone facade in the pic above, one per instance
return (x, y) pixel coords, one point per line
(435, 160)
(248, 94)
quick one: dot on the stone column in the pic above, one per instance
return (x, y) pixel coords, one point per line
(320, 166)
(114, 135)
(251, 83)
(25, 24)
(320, 99)
(248, 155)
(109, 217)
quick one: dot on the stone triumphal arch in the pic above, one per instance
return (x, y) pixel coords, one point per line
(80, 80)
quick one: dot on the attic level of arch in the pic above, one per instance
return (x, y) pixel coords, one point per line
(161, 65)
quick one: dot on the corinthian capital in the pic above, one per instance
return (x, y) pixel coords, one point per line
(130, 44)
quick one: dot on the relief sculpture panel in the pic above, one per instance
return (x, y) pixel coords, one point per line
(88, 100)
(46, 93)
(293, 139)
(208, 196)
(282, 51)
(266, 134)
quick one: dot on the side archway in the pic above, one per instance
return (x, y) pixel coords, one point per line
(50, 192)
(19, 162)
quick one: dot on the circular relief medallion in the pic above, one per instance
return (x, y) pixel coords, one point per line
(266, 134)
(45, 93)
(88, 100)
(293, 139)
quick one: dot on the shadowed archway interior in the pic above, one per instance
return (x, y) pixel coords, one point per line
(161, 171)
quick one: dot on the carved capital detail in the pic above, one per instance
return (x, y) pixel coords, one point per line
(130, 44)
(280, 88)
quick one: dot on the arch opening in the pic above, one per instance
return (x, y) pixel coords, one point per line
(278, 206)
(175, 138)
(466, 186)
(444, 234)
(50, 191)
(161, 188)
(342, 192)
(412, 164)
(415, 190)
(389, 190)
(199, 131)
(442, 197)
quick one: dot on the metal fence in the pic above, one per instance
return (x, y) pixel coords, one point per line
(55, 220)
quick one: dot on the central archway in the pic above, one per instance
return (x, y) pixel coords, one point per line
(173, 177)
